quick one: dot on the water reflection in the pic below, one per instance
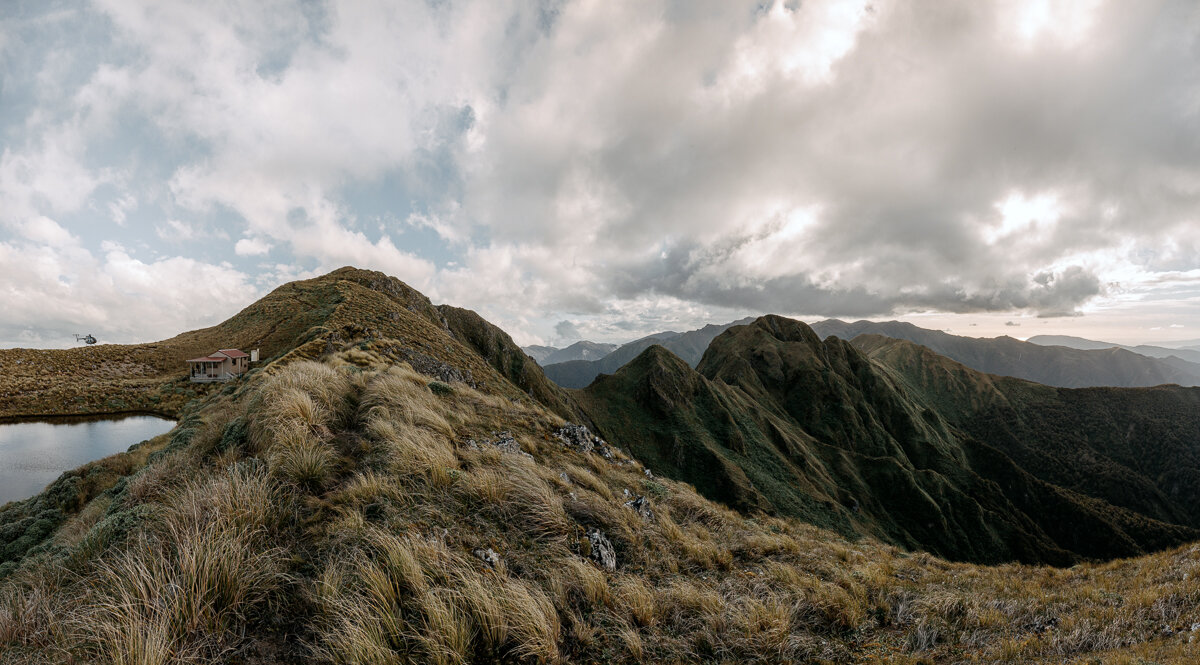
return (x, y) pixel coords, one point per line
(34, 454)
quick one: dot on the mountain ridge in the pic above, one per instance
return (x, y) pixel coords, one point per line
(768, 411)
(1055, 366)
(1189, 356)
(392, 485)
(689, 346)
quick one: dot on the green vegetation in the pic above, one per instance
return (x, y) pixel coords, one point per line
(335, 508)
(688, 346)
(377, 562)
(1132, 451)
(911, 448)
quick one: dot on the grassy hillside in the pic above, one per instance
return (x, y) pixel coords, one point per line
(308, 316)
(350, 512)
(384, 494)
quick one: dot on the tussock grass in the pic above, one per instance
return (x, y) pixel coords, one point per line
(301, 458)
(405, 397)
(346, 514)
(241, 498)
(410, 452)
(188, 590)
(406, 598)
(304, 394)
(517, 496)
(581, 583)
(28, 613)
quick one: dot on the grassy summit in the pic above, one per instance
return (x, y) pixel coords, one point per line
(383, 493)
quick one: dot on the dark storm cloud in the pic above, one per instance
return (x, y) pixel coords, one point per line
(935, 115)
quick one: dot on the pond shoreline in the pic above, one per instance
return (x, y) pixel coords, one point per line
(36, 453)
(70, 418)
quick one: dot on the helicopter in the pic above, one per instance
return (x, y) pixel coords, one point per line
(86, 339)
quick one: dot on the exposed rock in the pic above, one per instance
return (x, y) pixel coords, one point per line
(581, 438)
(578, 437)
(641, 506)
(562, 475)
(601, 550)
(430, 366)
(648, 473)
(488, 556)
(503, 441)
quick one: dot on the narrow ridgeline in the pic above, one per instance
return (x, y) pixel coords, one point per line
(913, 449)
(400, 484)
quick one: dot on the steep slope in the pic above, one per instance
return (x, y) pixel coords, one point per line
(1189, 359)
(366, 498)
(689, 346)
(685, 427)
(1135, 449)
(502, 353)
(1050, 365)
(815, 429)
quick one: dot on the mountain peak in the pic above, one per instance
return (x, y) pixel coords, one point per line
(788, 330)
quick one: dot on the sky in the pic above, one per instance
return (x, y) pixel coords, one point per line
(605, 169)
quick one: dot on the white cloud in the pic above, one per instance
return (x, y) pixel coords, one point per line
(52, 291)
(175, 231)
(251, 247)
(595, 161)
(45, 230)
(45, 176)
(121, 207)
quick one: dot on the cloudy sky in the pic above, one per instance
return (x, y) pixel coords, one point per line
(605, 169)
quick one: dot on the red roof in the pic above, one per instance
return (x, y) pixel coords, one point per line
(234, 353)
(208, 359)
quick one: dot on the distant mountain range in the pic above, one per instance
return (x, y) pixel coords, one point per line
(584, 350)
(1054, 360)
(1059, 366)
(1190, 355)
(688, 346)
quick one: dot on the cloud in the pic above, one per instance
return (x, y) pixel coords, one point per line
(949, 178)
(251, 247)
(623, 166)
(120, 208)
(566, 331)
(175, 231)
(54, 290)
